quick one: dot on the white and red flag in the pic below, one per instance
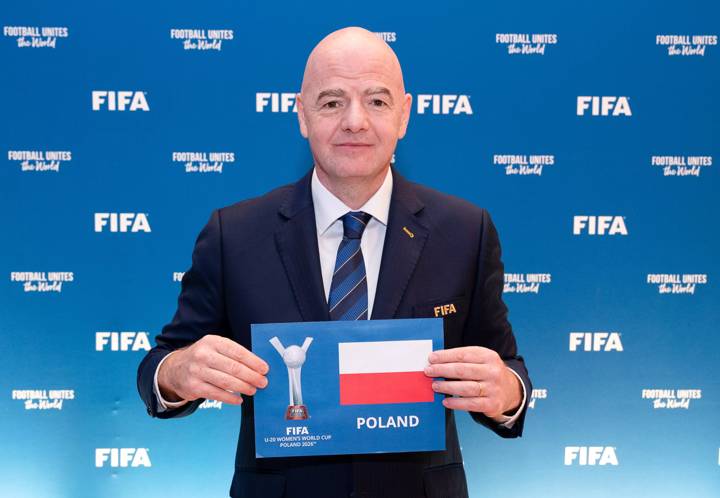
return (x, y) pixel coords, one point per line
(384, 372)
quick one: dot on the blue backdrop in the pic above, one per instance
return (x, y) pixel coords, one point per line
(589, 130)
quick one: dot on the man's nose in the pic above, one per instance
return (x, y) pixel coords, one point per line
(355, 118)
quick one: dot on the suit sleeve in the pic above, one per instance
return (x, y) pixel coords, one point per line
(488, 325)
(200, 311)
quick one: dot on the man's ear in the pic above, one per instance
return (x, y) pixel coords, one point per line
(301, 115)
(407, 107)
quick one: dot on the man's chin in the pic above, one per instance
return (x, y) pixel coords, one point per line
(354, 171)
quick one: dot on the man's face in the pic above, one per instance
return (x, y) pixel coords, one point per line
(353, 110)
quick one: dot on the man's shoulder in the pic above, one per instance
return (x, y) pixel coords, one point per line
(247, 223)
(442, 206)
(266, 205)
(453, 221)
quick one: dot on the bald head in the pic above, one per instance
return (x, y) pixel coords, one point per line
(351, 49)
(353, 109)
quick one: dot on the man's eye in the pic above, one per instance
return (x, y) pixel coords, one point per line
(378, 103)
(332, 104)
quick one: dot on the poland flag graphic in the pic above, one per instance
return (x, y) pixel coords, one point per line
(384, 372)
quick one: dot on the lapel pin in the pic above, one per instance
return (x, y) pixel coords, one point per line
(407, 231)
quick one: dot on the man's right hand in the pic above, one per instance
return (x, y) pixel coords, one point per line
(214, 367)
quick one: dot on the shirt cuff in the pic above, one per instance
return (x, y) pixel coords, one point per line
(164, 405)
(508, 421)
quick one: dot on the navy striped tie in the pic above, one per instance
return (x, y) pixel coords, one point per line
(348, 291)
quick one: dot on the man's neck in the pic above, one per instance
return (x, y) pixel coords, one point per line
(354, 192)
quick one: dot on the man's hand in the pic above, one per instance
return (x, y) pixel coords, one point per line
(483, 383)
(214, 367)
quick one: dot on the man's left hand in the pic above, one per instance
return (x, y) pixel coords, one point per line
(479, 377)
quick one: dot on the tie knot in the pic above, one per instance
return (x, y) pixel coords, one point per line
(354, 223)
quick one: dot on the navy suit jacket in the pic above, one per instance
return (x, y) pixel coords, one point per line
(257, 262)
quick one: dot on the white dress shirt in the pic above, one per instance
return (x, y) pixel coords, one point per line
(329, 227)
(328, 211)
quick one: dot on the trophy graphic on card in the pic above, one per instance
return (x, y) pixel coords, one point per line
(294, 357)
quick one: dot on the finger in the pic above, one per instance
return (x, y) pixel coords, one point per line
(237, 370)
(468, 404)
(467, 354)
(465, 388)
(211, 392)
(233, 350)
(462, 371)
(227, 382)
(491, 407)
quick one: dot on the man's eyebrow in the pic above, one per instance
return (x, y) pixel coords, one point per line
(333, 92)
(379, 90)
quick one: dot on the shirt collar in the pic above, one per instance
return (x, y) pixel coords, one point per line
(329, 208)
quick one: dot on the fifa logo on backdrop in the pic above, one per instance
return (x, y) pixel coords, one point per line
(201, 39)
(444, 104)
(122, 341)
(122, 222)
(525, 43)
(599, 225)
(604, 106)
(277, 102)
(590, 455)
(595, 341)
(284, 102)
(36, 36)
(122, 457)
(686, 45)
(119, 101)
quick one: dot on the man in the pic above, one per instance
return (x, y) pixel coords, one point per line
(403, 251)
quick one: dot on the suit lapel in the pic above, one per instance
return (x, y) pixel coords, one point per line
(297, 244)
(404, 242)
(296, 241)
